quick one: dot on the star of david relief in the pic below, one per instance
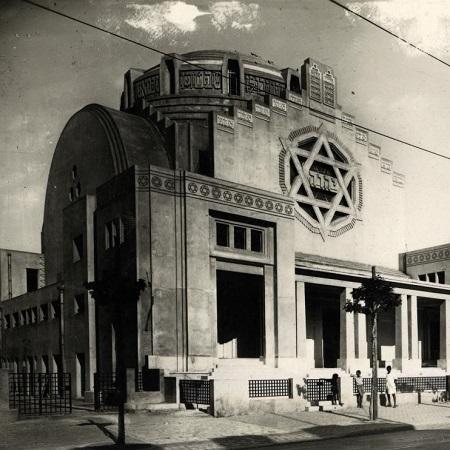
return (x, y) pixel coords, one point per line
(321, 176)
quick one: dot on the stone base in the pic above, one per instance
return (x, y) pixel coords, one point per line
(89, 396)
(444, 364)
(407, 366)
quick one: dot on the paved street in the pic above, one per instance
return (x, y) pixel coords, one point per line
(409, 426)
(430, 440)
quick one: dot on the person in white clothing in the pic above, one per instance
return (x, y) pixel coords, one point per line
(391, 388)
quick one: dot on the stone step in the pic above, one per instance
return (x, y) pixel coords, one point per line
(311, 408)
(325, 402)
(162, 407)
(330, 407)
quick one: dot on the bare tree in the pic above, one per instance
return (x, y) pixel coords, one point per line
(374, 296)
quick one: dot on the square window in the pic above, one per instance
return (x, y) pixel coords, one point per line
(222, 234)
(78, 249)
(423, 277)
(256, 244)
(78, 304)
(431, 277)
(240, 238)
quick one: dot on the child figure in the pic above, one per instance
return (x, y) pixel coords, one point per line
(334, 388)
(391, 388)
(359, 388)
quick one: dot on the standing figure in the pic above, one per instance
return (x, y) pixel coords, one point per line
(335, 388)
(391, 388)
(359, 388)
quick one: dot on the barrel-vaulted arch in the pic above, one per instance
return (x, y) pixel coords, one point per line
(100, 143)
(321, 175)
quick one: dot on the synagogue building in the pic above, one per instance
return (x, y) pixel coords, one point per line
(251, 205)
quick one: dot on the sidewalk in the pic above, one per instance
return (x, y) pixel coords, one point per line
(194, 430)
(189, 430)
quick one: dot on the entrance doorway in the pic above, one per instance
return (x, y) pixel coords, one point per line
(240, 315)
(323, 324)
(428, 314)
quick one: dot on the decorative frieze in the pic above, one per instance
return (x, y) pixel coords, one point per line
(430, 255)
(200, 79)
(362, 136)
(398, 179)
(225, 122)
(146, 87)
(374, 151)
(386, 165)
(262, 86)
(238, 197)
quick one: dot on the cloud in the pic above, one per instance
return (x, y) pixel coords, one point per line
(234, 14)
(166, 18)
(173, 18)
(424, 23)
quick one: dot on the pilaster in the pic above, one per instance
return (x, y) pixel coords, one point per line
(444, 360)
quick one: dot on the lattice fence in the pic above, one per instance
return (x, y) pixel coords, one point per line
(270, 388)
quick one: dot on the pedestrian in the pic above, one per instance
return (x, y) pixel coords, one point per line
(391, 388)
(335, 389)
(359, 388)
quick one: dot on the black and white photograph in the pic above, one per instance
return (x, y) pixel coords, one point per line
(224, 224)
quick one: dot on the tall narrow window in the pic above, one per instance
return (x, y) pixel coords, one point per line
(256, 244)
(32, 279)
(441, 277)
(234, 85)
(171, 69)
(294, 84)
(240, 238)
(222, 234)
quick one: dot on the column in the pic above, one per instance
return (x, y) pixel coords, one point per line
(269, 314)
(413, 333)
(301, 320)
(362, 362)
(444, 361)
(401, 335)
(347, 331)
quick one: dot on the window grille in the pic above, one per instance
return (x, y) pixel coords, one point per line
(270, 388)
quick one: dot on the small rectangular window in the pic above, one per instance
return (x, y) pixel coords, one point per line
(121, 231)
(441, 277)
(431, 277)
(32, 279)
(78, 249)
(423, 277)
(78, 304)
(240, 238)
(16, 320)
(256, 241)
(222, 234)
(7, 321)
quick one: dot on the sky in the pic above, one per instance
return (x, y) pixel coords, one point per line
(50, 67)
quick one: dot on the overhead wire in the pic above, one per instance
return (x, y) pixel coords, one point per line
(377, 25)
(251, 87)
